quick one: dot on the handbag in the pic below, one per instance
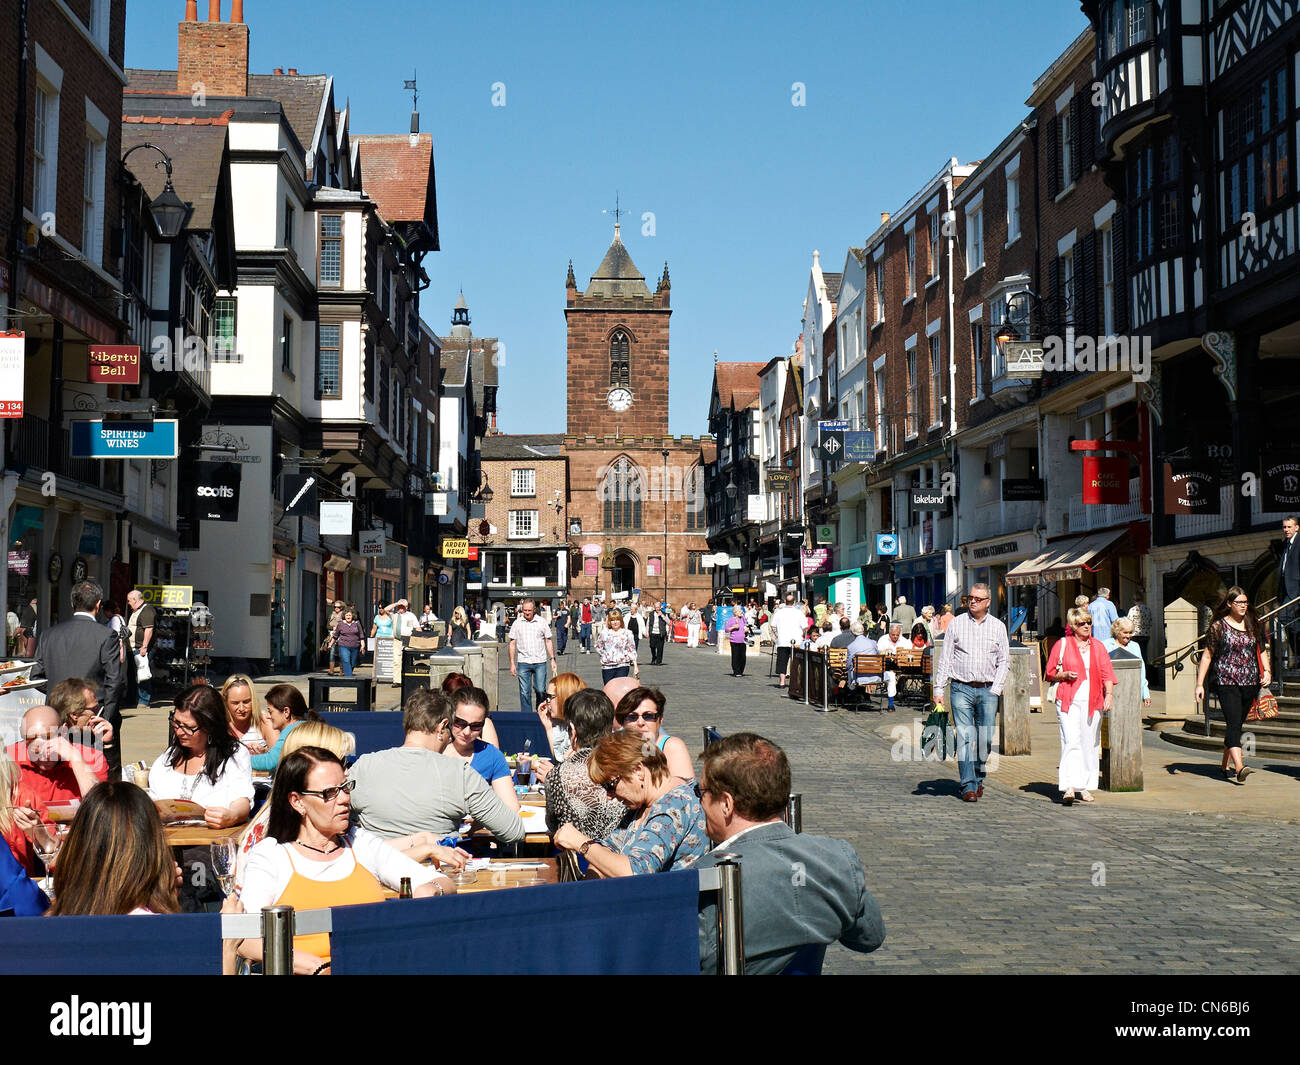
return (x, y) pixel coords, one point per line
(142, 670)
(1060, 661)
(1264, 707)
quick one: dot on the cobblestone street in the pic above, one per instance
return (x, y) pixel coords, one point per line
(1015, 883)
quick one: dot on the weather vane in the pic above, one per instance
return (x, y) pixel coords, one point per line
(617, 211)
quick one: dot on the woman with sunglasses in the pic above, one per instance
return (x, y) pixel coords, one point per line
(312, 858)
(551, 712)
(1234, 650)
(1086, 683)
(642, 710)
(616, 648)
(668, 831)
(467, 743)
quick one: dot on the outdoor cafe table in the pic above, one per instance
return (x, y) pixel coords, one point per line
(543, 869)
(199, 835)
(531, 799)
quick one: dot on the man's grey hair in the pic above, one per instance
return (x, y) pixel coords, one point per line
(524, 602)
(1103, 593)
(855, 627)
(896, 625)
(979, 588)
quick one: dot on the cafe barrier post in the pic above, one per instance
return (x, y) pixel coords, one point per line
(794, 812)
(1013, 721)
(731, 918)
(807, 664)
(277, 940)
(1121, 730)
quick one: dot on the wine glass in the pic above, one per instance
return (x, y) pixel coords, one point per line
(225, 855)
(47, 853)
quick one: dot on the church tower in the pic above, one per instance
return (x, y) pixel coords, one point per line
(617, 350)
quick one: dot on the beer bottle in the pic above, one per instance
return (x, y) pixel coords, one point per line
(404, 889)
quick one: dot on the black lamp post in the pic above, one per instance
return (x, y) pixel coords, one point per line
(170, 212)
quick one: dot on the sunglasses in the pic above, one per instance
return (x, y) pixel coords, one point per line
(1082, 624)
(330, 794)
(183, 730)
(461, 723)
(609, 786)
(632, 719)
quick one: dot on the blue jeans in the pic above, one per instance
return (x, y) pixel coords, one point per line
(609, 673)
(348, 656)
(561, 639)
(532, 677)
(584, 636)
(974, 714)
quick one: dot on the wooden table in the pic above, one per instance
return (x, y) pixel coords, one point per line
(498, 880)
(199, 835)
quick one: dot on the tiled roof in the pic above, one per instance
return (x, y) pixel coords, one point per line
(617, 274)
(482, 361)
(195, 146)
(150, 81)
(832, 285)
(397, 177)
(738, 383)
(301, 96)
(522, 446)
(455, 364)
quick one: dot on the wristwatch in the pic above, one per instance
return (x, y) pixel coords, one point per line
(583, 849)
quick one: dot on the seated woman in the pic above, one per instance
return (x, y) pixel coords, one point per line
(115, 859)
(487, 761)
(286, 709)
(451, 684)
(642, 710)
(322, 861)
(668, 831)
(551, 712)
(920, 636)
(244, 709)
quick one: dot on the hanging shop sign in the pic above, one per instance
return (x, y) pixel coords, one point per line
(216, 492)
(832, 445)
(825, 534)
(1105, 480)
(1282, 482)
(300, 494)
(12, 367)
(779, 480)
(929, 499)
(126, 440)
(591, 566)
(859, 446)
(817, 560)
(372, 542)
(336, 518)
(110, 364)
(455, 548)
(1190, 488)
(886, 544)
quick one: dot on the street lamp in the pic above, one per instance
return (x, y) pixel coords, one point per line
(663, 490)
(170, 212)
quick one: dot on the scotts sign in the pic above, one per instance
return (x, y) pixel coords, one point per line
(216, 493)
(1105, 480)
(1190, 488)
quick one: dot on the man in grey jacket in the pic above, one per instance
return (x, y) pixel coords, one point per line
(796, 890)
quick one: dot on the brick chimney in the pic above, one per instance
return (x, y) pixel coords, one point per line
(213, 53)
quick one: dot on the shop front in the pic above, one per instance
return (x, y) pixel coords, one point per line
(989, 561)
(283, 653)
(925, 579)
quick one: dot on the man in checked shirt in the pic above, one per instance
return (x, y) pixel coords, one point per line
(975, 656)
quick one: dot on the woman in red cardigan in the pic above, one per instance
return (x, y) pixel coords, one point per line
(1081, 667)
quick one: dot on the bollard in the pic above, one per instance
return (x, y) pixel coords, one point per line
(1121, 757)
(1182, 621)
(277, 940)
(1013, 719)
(794, 812)
(731, 917)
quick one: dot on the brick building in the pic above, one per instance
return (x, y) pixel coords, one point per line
(636, 490)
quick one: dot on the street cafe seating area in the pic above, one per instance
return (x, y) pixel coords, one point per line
(823, 679)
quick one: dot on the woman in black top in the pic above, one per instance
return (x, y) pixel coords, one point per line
(1234, 647)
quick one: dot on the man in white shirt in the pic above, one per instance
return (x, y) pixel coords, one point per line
(788, 628)
(530, 649)
(404, 623)
(889, 645)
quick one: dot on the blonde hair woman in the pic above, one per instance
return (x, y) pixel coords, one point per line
(616, 648)
(558, 692)
(458, 633)
(1085, 682)
(244, 709)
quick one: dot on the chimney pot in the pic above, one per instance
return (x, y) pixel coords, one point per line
(884, 217)
(293, 71)
(237, 10)
(278, 70)
(191, 10)
(214, 10)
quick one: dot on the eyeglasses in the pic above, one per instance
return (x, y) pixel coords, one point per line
(330, 794)
(1241, 602)
(633, 718)
(183, 730)
(699, 792)
(978, 599)
(610, 785)
(461, 723)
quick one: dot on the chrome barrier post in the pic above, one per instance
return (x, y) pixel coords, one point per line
(807, 687)
(731, 918)
(708, 730)
(794, 812)
(277, 940)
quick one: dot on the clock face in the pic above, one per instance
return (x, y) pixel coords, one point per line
(620, 399)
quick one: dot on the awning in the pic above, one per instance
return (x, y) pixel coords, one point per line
(1065, 560)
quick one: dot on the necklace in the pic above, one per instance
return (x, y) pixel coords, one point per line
(189, 783)
(319, 850)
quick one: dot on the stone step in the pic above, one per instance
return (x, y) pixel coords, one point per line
(1277, 752)
(1283, 715)
(1273, 727)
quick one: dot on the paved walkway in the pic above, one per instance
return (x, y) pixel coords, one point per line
(1191, 875)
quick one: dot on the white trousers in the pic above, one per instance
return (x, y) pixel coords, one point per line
(692, 636)
(1080, 746)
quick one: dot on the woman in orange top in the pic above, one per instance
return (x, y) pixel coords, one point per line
(321, 862)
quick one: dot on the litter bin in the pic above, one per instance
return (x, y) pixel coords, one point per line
(416, 668)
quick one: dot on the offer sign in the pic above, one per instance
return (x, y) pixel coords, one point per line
(114, 365)
(12, 348)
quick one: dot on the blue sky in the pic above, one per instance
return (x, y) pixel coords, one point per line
(686, 111)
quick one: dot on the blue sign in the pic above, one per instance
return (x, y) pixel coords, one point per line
(92, 538)
(125, 440)
(859, 446)
(833, 425)
(886, 544)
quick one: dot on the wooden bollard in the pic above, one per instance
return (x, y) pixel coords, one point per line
(1013, 719)
(1121, 755)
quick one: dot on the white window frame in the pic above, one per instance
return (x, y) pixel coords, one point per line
(882, 438)
(911, 264)
(935, 237)
(45, 170)
(1013, 201)
(1064, 143)
(974, 238)
(93, 196)
(99, 22)
(523, 482)
(977, 376)
(880, 290)
(934, 336)
(523, 525)
(1108, 280)
(1066, 260)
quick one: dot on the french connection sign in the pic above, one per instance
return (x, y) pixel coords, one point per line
(216, 493)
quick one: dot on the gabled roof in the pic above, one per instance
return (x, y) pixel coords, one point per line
(399, 177)
(301, 95)
(617, 275)
(832, 285)
(737, 383)
(455, 367)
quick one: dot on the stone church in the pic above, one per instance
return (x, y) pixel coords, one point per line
(636, 492)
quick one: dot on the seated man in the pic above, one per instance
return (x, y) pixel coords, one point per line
(413, 788)
(862, 645)
(467, 723)
(744, 788)
(52, 768)
(75, 702)
(844, 636)
(889, 645)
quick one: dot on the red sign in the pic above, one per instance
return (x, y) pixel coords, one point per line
(473, 554)
(114, 365)
(591, 567)
(1105, 480)
(817, 560)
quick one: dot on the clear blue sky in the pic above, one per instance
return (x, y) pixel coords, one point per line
(686, 111)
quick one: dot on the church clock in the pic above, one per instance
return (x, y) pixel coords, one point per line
(620, 399)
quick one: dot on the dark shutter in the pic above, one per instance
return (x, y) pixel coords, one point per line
(1053, 158)
(1087, 132)
(1054, 294)
(1076, 136)
(1119, 246)
(1085, 301)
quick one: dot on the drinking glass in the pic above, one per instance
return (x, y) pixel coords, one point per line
(47, 854)
(225, 855)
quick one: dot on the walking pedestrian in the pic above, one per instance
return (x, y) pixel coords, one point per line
(735, 631)
(1288, 583)
(789, 625)
(657, 630)
(616, 648)
(584, 626)
(975, 657)
(27, 628)
(331, 640)
(530, 649)
(1234, 652)
(1085, 690)
(634, 623)
(1103, 612)
(347, 638)
(139, 627)
(561, 628)
(693, 621)
(706, 622)
(944, 619)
